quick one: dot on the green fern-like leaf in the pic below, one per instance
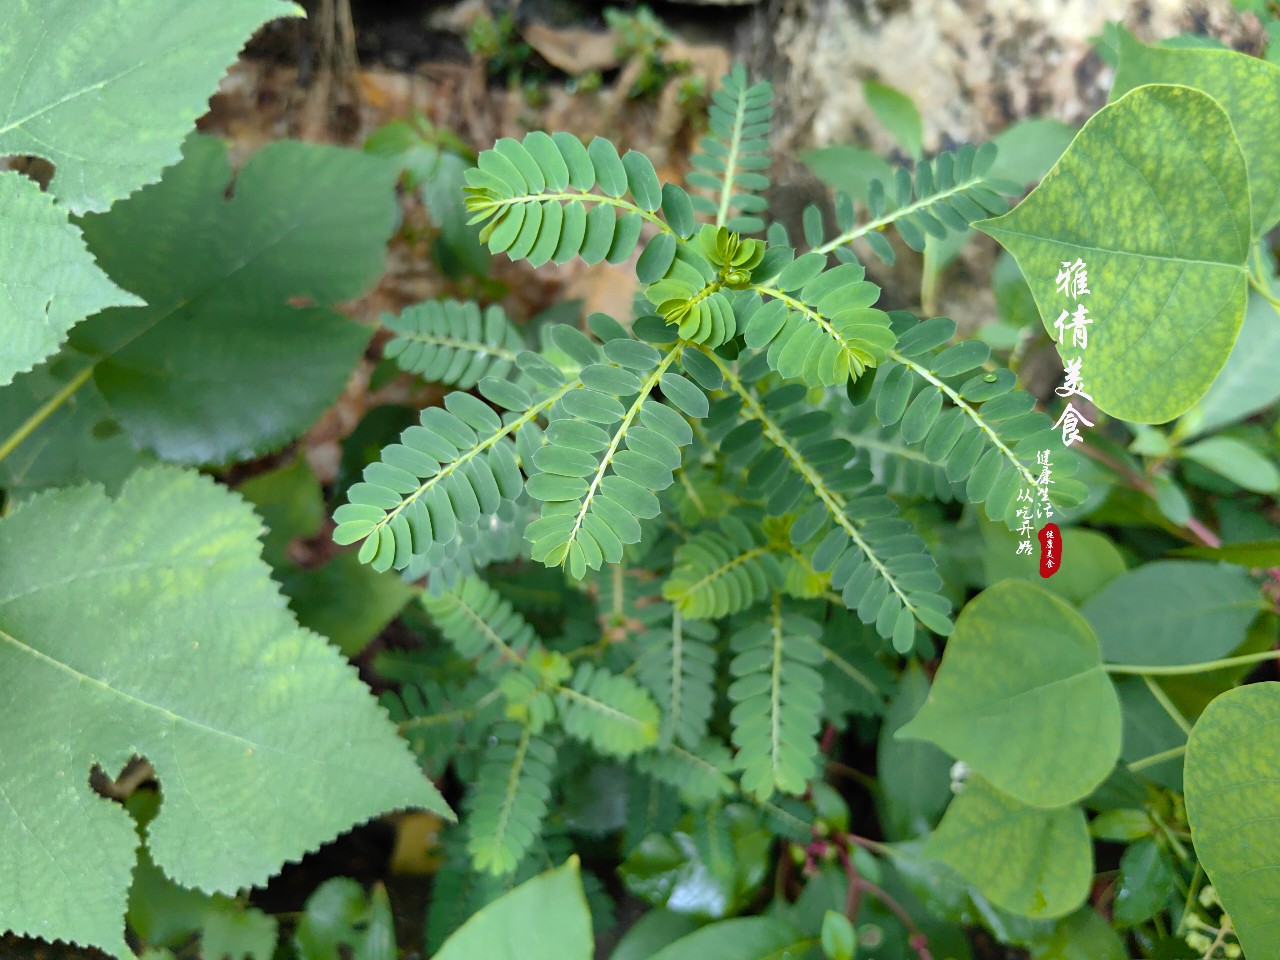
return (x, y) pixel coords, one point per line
(439, 720)
(777, 697)
(940, 196)
(700, 773)
(676, 663)
(730, 161)
(509, 802)
(818, 325)
(849, 526)
(462, 463)
(453, 342)
(481, 625)
(612, 713)
(990, 434)
(549, 198)
(594, 489)
(718, 573)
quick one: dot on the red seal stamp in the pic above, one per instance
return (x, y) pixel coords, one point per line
(1050, 550)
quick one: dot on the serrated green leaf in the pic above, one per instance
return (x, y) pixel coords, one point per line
(1165, 264)
(1232, 768)
(111, 116)
(244, 719)
(204, 373)
(43, 304)
(1019, 662)
(1032, 862)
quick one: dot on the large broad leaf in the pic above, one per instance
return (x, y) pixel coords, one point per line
(1022, 697)
(1233, 794)
(1032, 862)
(1248, 382)
(109, 116)
(78, 442)
(1173, 612)
(1089, 562)
(209, 370)
(50, 280)
(745, 938)
(1153, 196)
(1247, 88)
(545, 918)
(148, 626)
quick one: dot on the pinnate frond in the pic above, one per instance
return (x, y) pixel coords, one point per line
(847, 525)
(676, 663)
(940, 196)
(509, 801)
(481, 625)
(453, 342)
(989, 435)
(719, 572)
(550, 198)
(610, 447)
(612, 713)
(730, 160)
(817, 324)
(777, 697)
(460, 464)
(700, 773)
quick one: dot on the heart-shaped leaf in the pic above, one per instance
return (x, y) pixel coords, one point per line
(1153, 196)
(1246, 87)
(1032, 862)
(1022, 697)
(1233, 793)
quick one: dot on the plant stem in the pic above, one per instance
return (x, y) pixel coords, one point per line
(1184, 669)
(1157, 758)
(1162, 698)
(46, 410)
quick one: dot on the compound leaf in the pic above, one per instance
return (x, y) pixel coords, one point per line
(1232, 773)
(1153, 196)
(178, 648)
(1023, 699)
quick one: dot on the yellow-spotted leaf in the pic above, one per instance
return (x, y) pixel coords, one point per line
(1233, 795)
(1247, 88)
(1032, 862)
(1153, 197)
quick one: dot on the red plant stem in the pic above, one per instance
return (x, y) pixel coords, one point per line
(853, 898)
(858, 884)
(1140, 483)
